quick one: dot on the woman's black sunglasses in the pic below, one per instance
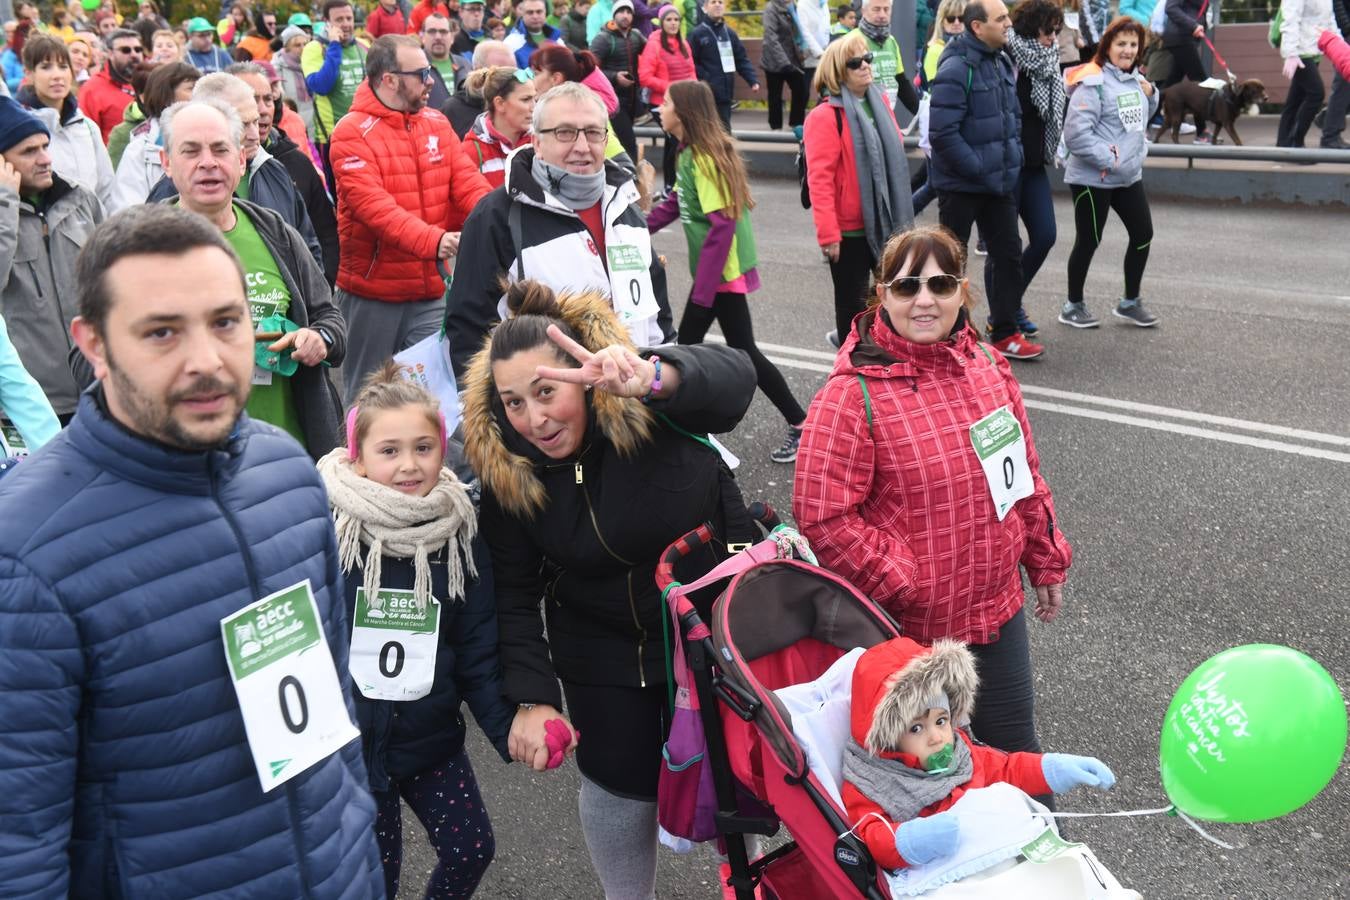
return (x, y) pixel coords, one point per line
(907, 286)
(857, 61)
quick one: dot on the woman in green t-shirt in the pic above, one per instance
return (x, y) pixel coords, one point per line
(712, 200)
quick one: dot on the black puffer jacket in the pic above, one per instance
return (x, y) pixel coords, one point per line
(586, 533)
(403, 739)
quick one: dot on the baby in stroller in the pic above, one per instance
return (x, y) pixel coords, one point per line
(909, 761)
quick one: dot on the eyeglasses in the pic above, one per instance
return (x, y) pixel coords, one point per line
(857, 61)
(437, 32)
(907, 287)
(423, 74)
(129, 50)
(566, 134)
(952, 20)
(524, 76)
(1050, 33)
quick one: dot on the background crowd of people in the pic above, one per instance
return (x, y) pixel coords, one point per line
(205, 220)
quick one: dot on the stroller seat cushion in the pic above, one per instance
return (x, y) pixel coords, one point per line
(820, 720)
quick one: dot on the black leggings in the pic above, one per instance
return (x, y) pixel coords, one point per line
(1090, 205)
(732, 312)
(1301, 104)
(852, 276)
(795, 79)
(1186, 63)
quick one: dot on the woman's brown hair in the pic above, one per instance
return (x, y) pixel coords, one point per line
(1119, 26)
(491, 83)
(918, 245)
(705, 135)
(832, 73)
(533, 307)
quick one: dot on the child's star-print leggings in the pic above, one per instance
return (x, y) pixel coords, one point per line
(447, 803)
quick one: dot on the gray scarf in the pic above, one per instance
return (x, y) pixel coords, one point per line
(883, 172)
(903, 792)
(878, 33)
(1041, 65)
(576, 192)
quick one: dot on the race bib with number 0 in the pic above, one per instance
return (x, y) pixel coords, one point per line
(286, 683)
(393, 653)
(630, 282)
(1002, 450)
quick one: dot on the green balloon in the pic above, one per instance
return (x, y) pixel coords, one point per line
(1253, 733)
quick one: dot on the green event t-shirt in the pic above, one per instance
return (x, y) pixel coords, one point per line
(447, 69)
(700, 192)
(267, 296)
(331, 107)
(887, 65)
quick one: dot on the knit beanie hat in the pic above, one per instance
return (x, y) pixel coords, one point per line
(17, 123)
(661, 13)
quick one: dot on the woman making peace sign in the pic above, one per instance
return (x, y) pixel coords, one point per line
(592, 463)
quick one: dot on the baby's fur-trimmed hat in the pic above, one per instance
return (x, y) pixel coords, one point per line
(919, 677)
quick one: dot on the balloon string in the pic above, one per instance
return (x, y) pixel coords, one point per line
(1169, 810)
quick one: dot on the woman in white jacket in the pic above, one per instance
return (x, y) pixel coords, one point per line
(140, 168)
(813, 18)
(1304, 22)
(77, 150)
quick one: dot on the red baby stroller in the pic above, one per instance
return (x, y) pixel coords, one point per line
(779, 622)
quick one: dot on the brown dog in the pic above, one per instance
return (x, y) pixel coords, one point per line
(1222, 107)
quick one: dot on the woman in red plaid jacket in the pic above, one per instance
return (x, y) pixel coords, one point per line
(918, 480)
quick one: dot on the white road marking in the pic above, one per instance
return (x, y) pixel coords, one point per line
(1031, 392)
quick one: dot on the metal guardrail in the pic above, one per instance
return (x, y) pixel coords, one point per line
(1190, 152)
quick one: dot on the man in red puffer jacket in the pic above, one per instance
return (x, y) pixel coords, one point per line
(402, 180)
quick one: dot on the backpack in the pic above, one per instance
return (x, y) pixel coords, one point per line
(801, 158)
(1275, 25)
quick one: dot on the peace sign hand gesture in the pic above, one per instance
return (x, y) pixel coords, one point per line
(615, 369)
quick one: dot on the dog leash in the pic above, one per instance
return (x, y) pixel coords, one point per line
(1204, 36)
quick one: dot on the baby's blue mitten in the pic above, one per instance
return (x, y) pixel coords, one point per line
(924, 840)
(1064, 772)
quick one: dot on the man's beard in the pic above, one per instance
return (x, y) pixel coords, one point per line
(155, 420)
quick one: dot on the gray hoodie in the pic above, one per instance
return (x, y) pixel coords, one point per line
(1105, 126)
(38, 277)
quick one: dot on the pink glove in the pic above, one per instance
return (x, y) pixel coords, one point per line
(558, 738)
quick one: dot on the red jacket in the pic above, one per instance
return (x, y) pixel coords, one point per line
(901, 507)
(402, 180)
(657, 67)
(485, 149)
(1339, 51)
(380, 21)
(832, 172)
(104, 100)
(424, 9)
(870, 684)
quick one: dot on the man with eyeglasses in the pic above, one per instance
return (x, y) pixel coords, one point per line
(567, 217)
(888, 66)
(104, 98)
(975, 128)
(436, 43)
(403, 181)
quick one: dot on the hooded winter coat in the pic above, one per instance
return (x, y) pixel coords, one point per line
(892, 496)
(584, 534)
(974, 120)
(402, 179)
(487, 150)
(553, 246)
(1104, 129)
(115, 686)
(78, 154)
(658, 67)
(38, 247)
(890, 681)
(139, 169)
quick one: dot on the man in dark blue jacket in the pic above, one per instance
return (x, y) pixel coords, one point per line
(174, 613)
(975, 126)
(719, 56)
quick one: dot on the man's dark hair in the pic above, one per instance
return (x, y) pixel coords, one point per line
(975, 12)
(1031, 18)
(383, 55)
(330, 5)
(150, 229)
(120, 33)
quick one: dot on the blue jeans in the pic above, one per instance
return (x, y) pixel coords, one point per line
(1036, 209)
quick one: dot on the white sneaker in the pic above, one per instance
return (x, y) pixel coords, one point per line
(1187, 128)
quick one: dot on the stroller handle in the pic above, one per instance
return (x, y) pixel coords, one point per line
(761, 512)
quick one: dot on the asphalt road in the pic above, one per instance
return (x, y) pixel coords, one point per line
(1192, 533)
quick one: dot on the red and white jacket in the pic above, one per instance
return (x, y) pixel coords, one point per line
(486, 149)
(870, 680)
(901, 506)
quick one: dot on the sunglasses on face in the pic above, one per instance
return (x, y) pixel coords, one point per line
(1051, 33)
(857, 62)
(906, 287)
(952, 20)
(423, 74)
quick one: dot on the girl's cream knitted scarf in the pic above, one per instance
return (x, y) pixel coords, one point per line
(393, 523)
